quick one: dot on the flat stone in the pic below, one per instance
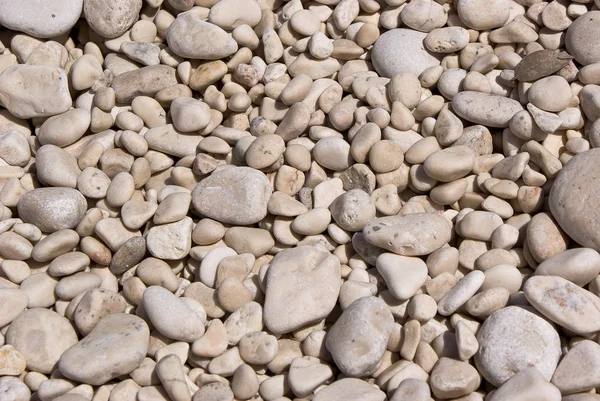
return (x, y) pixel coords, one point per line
(34, 90)
(56, 167)
(187, 38)
(565, 303)
(452, 379)
(574, 372)
(119, 341)
(172, 317)
(170, 241)
(229, 14)
(513, 339)
(302, 287)
(40, 18)
(413, 234)
(350, 390)
(41, 336)
(358, 339)
(111, 18)
(573, 199)
(389, 54)
(234, 195)
(578, 265)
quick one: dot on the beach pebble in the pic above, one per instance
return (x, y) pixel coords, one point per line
(41, 208)
(185, 37)
(111, 18)
(526, 383)
(170, 241)
(296, 278)
(509, 341)
(404, 275)
(118, 340)
(359, 337)
(578, 39)
(564, 303)
(42, 20)
(172, 317)
(41, 336)
(486, 109)
(235, 196)
(410, 235)
(570, 189)
(348, 387)
(14, 389)
(18, 83)
(388, 56)
(571, 374)
(482, 15)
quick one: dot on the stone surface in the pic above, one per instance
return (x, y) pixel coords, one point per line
(115, 347)
(186, 37)
(302, 287)
(579, 39)
(411, 235)
(172, 317)
(39, 18)
(350, 390)
(527, 384)
(234, 195)
(513, 339)
(41, 336)
(52, 209)
(563, 302)
(111, 18)
(170, 241)
(573, 374)
(34, 90)
(573, 199)
(486, 109)
(359, 337)
(390, 50)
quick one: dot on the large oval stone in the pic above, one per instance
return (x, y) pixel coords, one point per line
(234, 195)
(402, 50)
(359, 337)
(575, 198)
(40, 18)
(116, 346)
(52, 209)
(513, 339)
(303, 284)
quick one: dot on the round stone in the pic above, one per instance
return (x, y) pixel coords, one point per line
(581, 38)
(41, 336)
(513, 339)
(111, 18)
(40, 18)
(574, 199)
(52, 209)
(389, 54)
(233, 195)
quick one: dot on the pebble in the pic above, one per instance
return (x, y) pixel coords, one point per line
(50, 85)
(172, 317)
(349, 388)
(187, 32)
(359, 337)
(41, 336)
(577, 39)
(525, 384)
(482, 15)
(236, 196)
(487, 109)
(304, 281)
(579, 266)
(102, 18)
(513, 339)
(453, 379)
(118, 340)
(15, 302)
(34, 19)
(411, 235)
(564, 303)
(170, 241)
(14, 389)
(571, 187)
(388, 56)
(404, 275)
